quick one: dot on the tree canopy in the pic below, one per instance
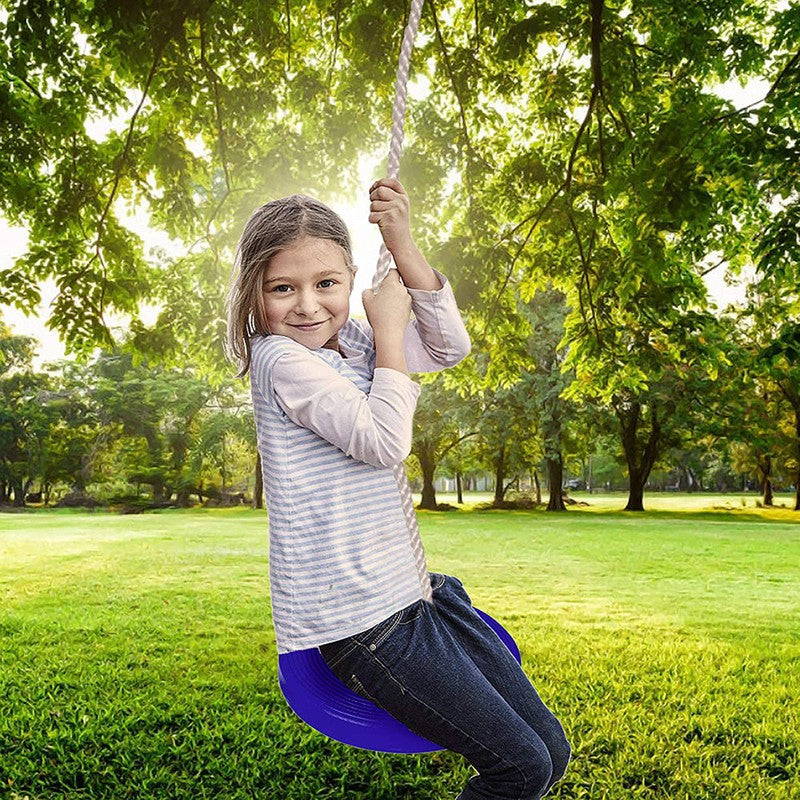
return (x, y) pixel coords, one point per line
(577, 146)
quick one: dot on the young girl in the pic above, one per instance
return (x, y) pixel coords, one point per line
(334, 406)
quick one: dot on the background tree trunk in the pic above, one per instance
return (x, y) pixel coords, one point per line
(555, 479)
(636, 491)
(640, 460)
(428, 468)
(765, 479)
(499, 476)
(19, 493)
(258, 488)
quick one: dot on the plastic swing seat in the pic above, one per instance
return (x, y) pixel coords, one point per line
(322, 701)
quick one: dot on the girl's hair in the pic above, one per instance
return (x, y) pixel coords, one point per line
(272, 228)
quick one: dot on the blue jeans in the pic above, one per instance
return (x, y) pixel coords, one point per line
(445, 674)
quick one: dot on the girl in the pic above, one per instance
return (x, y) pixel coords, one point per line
(334, 406)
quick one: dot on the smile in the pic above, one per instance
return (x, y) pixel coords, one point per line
(309, 327)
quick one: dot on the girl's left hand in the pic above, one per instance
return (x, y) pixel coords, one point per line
(389, 208)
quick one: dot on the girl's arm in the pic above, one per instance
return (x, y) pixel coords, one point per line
(437, 338)
(375, 428)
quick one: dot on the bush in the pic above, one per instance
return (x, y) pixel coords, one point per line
(78, 500)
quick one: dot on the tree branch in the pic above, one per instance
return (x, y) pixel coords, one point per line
(335, 44)
(711, 269)
(288, 37)
(585, 275)
(597, 77)
(453, 444)
(24, 81)
(446, 57)
(115, 185)
(215, 82)
(788, 67)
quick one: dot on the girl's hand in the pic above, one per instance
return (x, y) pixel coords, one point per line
(389, 309)
(389, 208)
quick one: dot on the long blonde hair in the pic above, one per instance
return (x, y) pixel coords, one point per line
(272, 228)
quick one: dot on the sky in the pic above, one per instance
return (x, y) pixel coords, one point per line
(365, 237)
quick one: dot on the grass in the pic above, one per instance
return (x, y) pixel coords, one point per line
(138, 658)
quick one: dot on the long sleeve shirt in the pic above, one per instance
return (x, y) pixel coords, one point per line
(333, 431)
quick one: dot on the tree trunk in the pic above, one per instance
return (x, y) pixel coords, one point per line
(458, 489)
(797, 489)
(555, 479)
(258, 489)
(538, 487)
(636, 491)
(797, 458)
(19, 493)
(765, 475)
(79, 484)
(86, 471)
(428, 466)
(640, 460)
(223, 465)
(499, 476)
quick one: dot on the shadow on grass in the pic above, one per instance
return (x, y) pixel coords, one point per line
(720, 515)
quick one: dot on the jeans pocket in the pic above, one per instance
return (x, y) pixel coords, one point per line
(333, 653)
(377, 634)
(437, 580)
(355, 685)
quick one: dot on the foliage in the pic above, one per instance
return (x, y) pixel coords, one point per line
(215, 108)
(580, 146)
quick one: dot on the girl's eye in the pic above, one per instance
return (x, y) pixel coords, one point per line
(286, 286)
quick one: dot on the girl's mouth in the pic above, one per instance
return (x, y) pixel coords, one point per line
(312, 327)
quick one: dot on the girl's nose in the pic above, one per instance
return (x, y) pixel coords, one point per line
(307, 303)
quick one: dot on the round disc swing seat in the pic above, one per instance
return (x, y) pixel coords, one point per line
(322, 701)
(311, 689)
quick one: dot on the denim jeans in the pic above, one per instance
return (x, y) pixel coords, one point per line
(444, 673)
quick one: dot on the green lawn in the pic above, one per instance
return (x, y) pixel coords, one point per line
(138, 659)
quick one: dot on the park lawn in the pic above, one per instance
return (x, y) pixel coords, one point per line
(138, 658)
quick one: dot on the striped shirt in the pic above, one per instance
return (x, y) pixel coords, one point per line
(344, 547)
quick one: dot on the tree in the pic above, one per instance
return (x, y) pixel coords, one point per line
(439, 427)
(224, 105)
(621, 178)
(24, 421)
(545, 312)
(81, 431)
(579, 145)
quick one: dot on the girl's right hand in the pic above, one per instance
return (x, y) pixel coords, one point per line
(390, 308)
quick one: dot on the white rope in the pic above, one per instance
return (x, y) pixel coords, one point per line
(398, 118)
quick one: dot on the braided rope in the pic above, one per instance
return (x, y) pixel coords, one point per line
(398, 118)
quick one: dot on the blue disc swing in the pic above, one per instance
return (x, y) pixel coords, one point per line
(311, 689)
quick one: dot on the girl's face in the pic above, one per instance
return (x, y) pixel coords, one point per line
(306, 292)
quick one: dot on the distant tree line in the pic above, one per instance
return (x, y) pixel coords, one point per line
(117, 430)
